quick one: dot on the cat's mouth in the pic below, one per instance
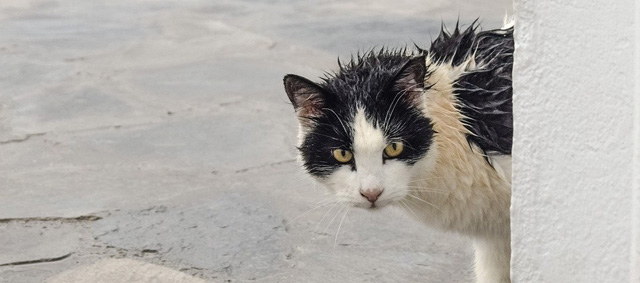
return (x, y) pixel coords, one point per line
(372, 206)
(376, 204)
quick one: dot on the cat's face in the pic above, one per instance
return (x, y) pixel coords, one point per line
(364, 133)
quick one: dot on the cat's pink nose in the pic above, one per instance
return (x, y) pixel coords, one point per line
(371, 194)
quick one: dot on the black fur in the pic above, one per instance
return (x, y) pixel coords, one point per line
(369, 81)
(484, 94)
(373, 81)
(453, 48)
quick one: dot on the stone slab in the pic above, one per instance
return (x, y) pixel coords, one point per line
(123, 271)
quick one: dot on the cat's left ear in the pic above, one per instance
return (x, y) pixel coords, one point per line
(410, 78)
(306, 96)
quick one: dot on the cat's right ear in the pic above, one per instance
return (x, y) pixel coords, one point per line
(306, 96)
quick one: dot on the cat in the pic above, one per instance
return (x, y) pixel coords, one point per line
(429, 131)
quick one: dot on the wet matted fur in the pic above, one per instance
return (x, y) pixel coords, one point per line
(449, 111)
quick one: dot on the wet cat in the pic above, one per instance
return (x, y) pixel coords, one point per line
(427, 130)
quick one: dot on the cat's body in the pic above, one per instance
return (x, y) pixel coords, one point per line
(431, 134)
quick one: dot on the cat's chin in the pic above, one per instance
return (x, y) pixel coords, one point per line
(373, 206)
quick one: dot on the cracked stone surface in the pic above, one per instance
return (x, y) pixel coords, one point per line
(153, 139)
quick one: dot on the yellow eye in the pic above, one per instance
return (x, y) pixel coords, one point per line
(393, 149)
(343, 156)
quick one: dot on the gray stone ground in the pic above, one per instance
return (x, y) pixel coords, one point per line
(158, 131)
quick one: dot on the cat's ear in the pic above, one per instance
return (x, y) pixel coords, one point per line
(410, 78)
(306, 96)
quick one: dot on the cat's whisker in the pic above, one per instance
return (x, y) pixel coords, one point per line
(327, 136)
(430, 177)
(418, 192)
(326, 202)
(419, 183)
(420, 187)
(395, 102)
(412, 203)
(429, 191)
(431, 204)
(408, 208)
(426, 179)
(423, 187)
(394, 194)
(405, 143)
(338, 117)
(325, 216)
(334, 218)
(391, 109)
(335, 241)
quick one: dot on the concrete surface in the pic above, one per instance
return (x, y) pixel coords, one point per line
(123, 271)
(158, 131)
(574, 142)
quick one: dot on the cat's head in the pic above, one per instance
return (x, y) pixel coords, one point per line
(364, 131)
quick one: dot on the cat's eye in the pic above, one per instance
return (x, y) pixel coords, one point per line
(393, 149)
(343, 156)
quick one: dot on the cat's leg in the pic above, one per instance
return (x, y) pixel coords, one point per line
(493, 255)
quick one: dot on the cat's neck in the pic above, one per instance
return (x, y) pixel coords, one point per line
(461, 180)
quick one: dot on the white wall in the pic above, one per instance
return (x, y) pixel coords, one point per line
(575, 198)
(635, 252)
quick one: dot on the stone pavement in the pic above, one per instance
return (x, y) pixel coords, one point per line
(151, 141)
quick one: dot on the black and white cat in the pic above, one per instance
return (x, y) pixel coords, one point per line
(429, 131)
